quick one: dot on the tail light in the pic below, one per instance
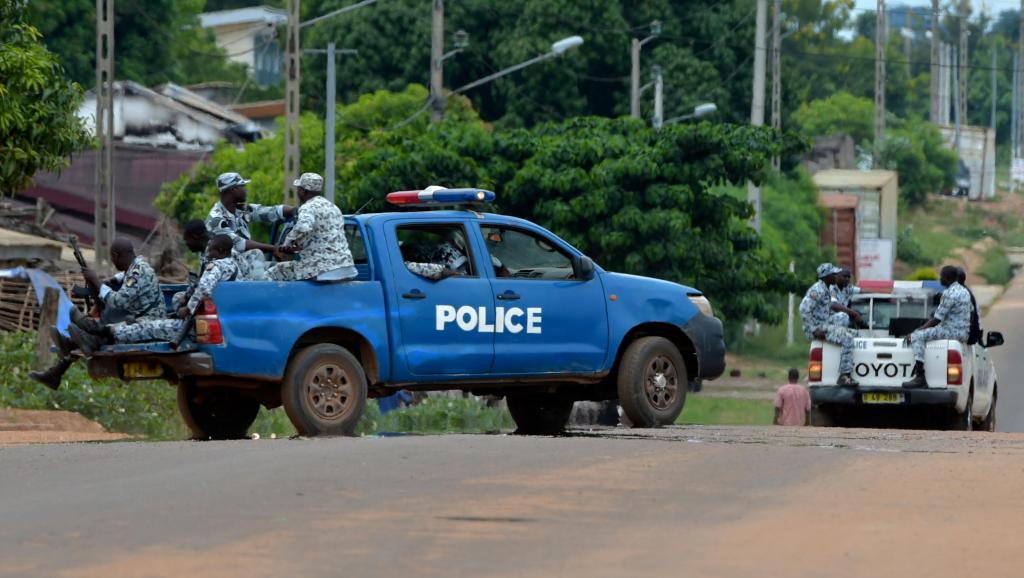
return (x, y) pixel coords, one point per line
(814, 365)
(954, 368)
(208, 331)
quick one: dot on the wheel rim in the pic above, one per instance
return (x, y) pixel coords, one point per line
(661, 382)
(330, 392)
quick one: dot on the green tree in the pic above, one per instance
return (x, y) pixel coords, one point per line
(38, 125)
(154, 41)
(840, 113)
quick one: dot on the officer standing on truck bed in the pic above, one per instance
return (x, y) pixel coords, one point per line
(816, 315)
(951, 320)
(232, 214)
(318, 237)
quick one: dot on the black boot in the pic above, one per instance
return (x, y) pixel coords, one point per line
(919, 379)
(846, 380)
(86, 341)
(51, 376)
(63, 344)
(85, 322)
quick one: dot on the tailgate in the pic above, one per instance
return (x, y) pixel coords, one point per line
(882, 362)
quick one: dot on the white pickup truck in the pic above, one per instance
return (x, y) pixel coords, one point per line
(962, 387)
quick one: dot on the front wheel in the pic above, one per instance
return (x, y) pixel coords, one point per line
(989, 423)
(324, 391)
(542, 414)
(652, 382)
(218, 413)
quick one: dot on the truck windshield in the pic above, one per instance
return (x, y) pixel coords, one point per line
(893, 314)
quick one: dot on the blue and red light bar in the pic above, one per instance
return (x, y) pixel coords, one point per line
(899, 286)
(440, 196)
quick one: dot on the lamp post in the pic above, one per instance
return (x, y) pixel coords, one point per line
(332, 85)
(699, 111)
(656, 82)
(557, 49)
(634, 76)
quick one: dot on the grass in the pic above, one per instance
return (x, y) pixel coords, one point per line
(703, 410)
(767, 352)
(996, 267)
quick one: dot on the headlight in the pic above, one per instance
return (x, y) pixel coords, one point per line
(702, 303)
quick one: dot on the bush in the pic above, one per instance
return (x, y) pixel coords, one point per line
(924, 274)
(908, 249)
(996, 268)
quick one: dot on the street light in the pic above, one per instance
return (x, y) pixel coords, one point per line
(460, 40)
(634, 77)
(557, 49)
(699, 111)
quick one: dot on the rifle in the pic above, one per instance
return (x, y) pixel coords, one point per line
(186, 326)
(78, 290)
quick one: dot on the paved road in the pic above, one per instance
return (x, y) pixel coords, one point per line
(681, 501)
(1007, 316)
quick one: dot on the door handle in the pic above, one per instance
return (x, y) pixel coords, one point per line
(414, 294)
(508, 296)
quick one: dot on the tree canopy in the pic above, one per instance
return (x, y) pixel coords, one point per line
(38, 126)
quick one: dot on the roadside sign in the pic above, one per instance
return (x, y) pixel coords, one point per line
(874, 259)
(1017, 170)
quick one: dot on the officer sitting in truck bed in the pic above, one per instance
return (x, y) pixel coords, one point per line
(815, 312)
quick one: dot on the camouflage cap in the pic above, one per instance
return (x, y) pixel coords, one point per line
(826, 269)
(229, 180)
(310, 181)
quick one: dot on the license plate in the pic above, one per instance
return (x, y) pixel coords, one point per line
(877, 397)
(137, 369)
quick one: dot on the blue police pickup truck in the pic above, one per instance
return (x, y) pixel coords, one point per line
(529, 318)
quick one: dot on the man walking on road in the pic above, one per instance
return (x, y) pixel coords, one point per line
(815, 313)
(951, 320)
(792, 402)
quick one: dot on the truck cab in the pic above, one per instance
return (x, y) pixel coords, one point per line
(527, 317)
(962, 385)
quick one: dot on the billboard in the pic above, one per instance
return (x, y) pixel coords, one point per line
(874, 259)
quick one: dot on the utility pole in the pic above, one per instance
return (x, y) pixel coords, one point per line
(1020, 62)
(634, 70)
(880, 38)
(965, 13)
(995, 61)
(1015, 111)
(757, 102)
(659, 111)
(329, 156)
(934, 116)
(908, 36)
(106, 222)
(436, 67)
(776, 71)
(292, 162)
(956, 105)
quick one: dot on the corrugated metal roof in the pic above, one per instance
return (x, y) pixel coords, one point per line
(849, 179)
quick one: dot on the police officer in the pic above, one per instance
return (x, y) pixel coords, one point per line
(951, 320)
(318, 237)
(976, 331)
(221, 267)
(138, 295)
(840, 294)
(232, 214)
(815, 314)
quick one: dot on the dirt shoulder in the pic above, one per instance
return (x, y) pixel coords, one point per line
(22, 426)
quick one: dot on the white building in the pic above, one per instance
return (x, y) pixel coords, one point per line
(249, 36)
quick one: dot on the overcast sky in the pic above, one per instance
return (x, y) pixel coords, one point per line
(993, 6)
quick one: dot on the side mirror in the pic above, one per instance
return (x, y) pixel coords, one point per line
(583, 268)
(994, 339)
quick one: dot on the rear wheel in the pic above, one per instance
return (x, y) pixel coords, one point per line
(962, 421)
(219, 413)
(324, 391)
(821, 417)
(989, 423)
(539, 413)
(652, 382)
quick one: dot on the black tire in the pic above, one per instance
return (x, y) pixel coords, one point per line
(539, 414)
(822, 417)
(324, 391)
(652, 382)
(962, 421)
(989, 423)
(218, 413)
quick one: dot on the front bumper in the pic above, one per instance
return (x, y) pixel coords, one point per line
(835, 395)
(708, 339)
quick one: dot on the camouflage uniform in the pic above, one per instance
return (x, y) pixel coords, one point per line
(320, 233)
(954, 315)
(842, 297)
(236, 225)
(251, 265)
(179, 299)
(446, 256)
(815, 315)
(167, 329)
(139, 294)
